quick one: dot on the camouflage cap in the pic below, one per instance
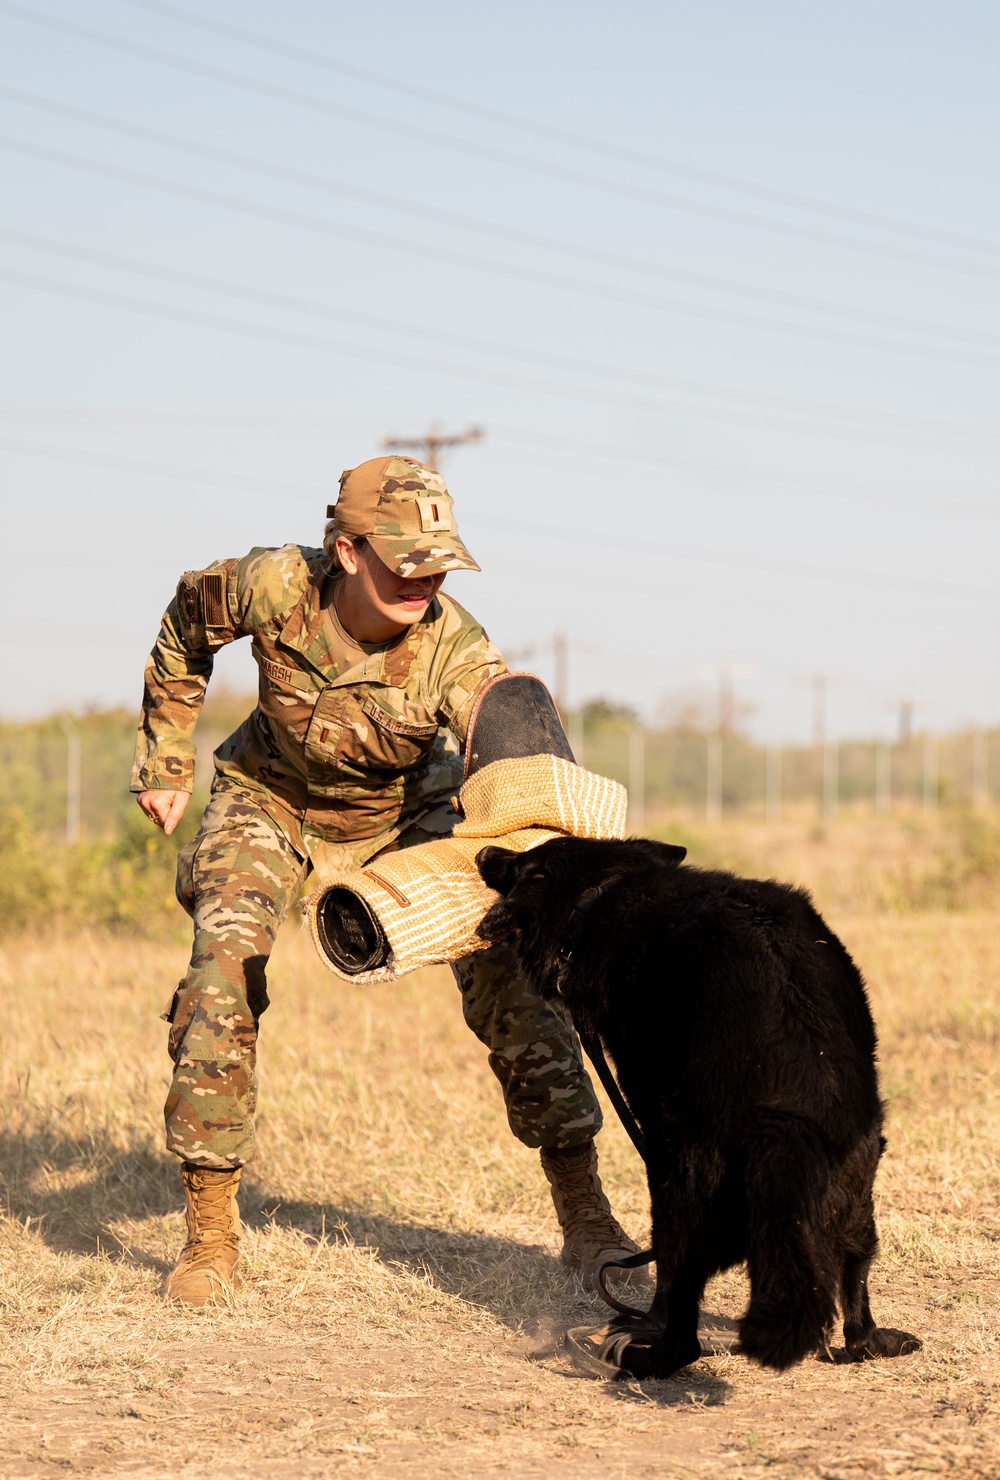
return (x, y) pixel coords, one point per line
(406, 513)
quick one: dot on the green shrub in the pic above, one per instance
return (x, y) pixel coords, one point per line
(124, 883)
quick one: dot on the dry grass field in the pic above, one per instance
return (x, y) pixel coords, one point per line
(401, 1306)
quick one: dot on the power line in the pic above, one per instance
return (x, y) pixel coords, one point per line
(303, 340)
(795, 483)
(174, 472)
(397, 86)
(324, 225)
(616, 187)
(743, 562)
(208, 422)
(492, 230)
(267, 423)
(661, 461)
(766, 565)
(615, 453)
(316, 309)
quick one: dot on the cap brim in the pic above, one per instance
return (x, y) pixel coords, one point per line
(412, 559)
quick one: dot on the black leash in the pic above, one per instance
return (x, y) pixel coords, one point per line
(594, 1049)
(633, 1261)
(592, 1044)
(595, 1052)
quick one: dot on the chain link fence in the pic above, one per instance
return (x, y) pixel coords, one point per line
(67, 776)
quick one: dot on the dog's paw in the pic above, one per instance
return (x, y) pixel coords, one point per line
(621, 1350)
(642, 1358)
(884, 1341)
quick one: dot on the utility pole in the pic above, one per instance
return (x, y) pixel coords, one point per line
(904, 708)
(726, 674)
(432, 443)
(772, 804)
(820, 685)
(930, 772)
(831, 779)
(560, 646)
(829, 758)
(636, 778)
(980, 769)
(73, 769)
(560, 654)
(883, 777)
(713, 778)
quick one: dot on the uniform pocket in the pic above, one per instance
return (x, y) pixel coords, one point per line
(189, 878)
(396, 737)
(170, 1011)
(373, 737)
(184, 882)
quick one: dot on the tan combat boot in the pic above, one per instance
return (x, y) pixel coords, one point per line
(203, 1275)
(591, 1232)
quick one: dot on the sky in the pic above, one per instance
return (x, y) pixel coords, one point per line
(719, 282)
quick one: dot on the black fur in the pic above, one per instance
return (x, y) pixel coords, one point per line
(740, 1030)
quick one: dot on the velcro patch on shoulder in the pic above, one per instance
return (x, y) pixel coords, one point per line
(213, 599)
(189, 603)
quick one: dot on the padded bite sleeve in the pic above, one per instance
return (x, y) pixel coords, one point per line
(349, 933)
(514, 716)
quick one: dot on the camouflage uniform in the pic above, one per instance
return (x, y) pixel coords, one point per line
(329, 770)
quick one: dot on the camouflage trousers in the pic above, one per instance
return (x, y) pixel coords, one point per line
(236, 879)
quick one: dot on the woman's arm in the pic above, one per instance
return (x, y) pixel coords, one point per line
(228, 600)
(204, 615)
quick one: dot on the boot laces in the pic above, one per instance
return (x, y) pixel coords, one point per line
(214, 1218)
(585, 1208)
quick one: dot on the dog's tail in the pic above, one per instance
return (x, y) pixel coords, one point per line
(791, 1265)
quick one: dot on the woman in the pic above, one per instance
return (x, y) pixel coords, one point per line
(368, 675)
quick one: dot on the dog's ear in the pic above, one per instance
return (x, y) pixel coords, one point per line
(498, 868)
(664, 852)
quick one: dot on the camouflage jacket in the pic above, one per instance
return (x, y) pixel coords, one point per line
(340, 756)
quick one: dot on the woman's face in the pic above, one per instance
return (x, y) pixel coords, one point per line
(372, 600)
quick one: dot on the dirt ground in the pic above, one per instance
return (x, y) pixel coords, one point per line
(401, 1305)
(312, 1400)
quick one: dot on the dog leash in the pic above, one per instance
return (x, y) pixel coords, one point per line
(594, 1049)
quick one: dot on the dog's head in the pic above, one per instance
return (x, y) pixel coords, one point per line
(545, 891)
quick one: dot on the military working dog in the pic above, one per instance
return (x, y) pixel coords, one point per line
(744, 1045)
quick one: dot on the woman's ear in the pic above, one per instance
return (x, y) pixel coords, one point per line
(347, 555)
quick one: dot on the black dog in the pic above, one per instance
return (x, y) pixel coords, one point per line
(744, 1045)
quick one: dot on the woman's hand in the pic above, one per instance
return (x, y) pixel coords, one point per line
(165, 808)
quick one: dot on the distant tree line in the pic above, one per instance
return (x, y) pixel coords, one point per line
(680, 765)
